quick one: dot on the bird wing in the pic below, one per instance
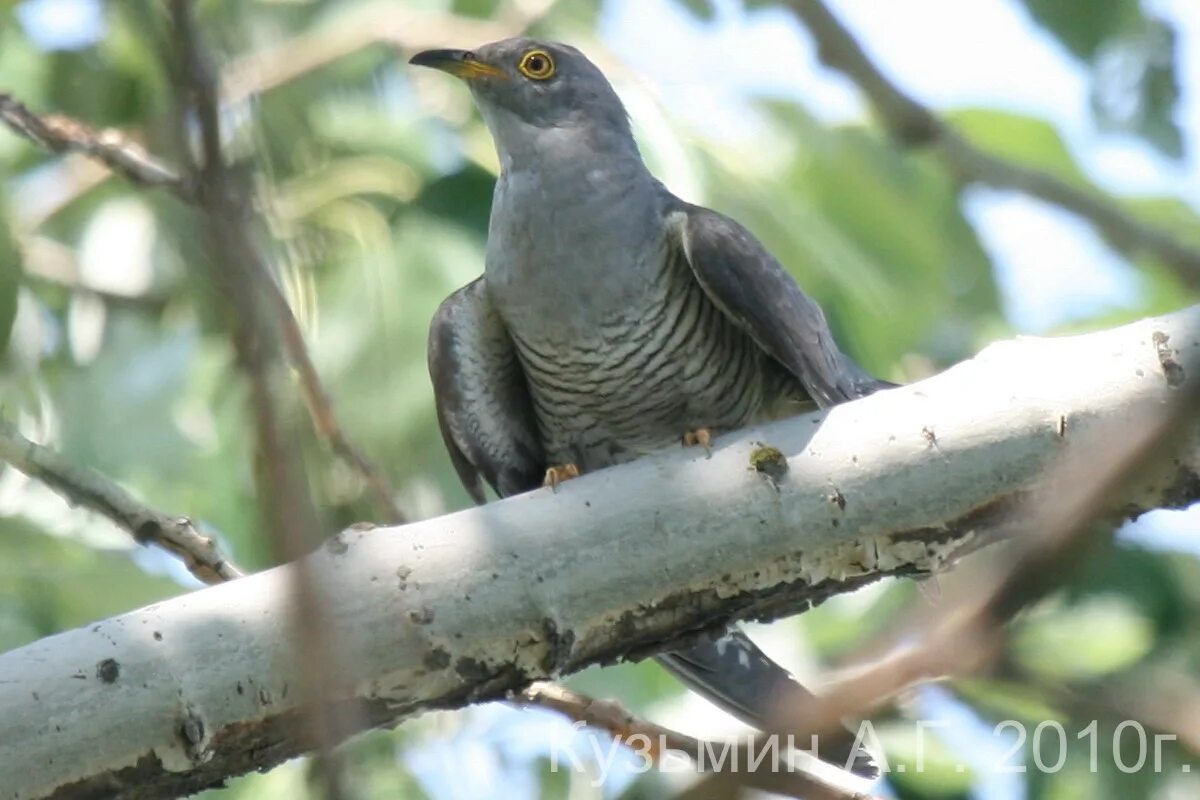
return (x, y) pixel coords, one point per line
(752, 288)
(732, 672)
(483, 405)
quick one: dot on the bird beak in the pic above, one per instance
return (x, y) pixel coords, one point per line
(460, 63)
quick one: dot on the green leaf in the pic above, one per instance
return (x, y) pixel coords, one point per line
(1133, 59)
(701, 9)
(1088, 639)
(1084, 25)
(1019, 138)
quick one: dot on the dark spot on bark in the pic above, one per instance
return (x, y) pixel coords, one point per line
(558, 646)
(1184, 491)
(108, 670)
(437, 658)
(540, 579)
(264, 696)
(1171, 368)
(420, 616)
(472, 670)
(148, 531)
(929, 435)
(36, 698)
(336, 545)
(240, 689)
(157, 636)
(402, 572)
(836, 522)
(838, 499)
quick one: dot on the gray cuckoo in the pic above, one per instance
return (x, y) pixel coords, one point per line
(614, 319)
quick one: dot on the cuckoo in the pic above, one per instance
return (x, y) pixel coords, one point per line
(614, 319)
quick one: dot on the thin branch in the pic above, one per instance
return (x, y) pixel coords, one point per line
(240, 273)
(913, 123)
(62, 134)
(320, 409)
(85, 487)
(777, 774)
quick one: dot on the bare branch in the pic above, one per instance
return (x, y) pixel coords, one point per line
(61, 134)
(776, 774)
(913, 123)
(240, 273)
(87, 488)
(320, 409)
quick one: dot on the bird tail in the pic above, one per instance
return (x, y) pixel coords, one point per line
(732, 673)
(862, 383)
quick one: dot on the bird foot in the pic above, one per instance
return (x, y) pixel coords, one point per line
(701, 437)
(559, 473)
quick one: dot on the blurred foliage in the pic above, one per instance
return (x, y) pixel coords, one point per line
(374, 186)
(1132, 55)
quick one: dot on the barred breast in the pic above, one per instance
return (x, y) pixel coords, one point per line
(643, 375)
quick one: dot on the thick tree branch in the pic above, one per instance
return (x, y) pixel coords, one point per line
(87, 488)
(913, 123)
(616, 565)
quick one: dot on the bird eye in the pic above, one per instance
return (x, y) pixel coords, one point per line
(537, 64)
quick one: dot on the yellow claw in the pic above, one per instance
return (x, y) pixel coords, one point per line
(700, 436)
(559, 473)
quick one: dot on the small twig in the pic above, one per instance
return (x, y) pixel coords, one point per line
(239, 271)
(778, 775)
(61, 134)
(86, 487)
(913, 123)
(320, 409)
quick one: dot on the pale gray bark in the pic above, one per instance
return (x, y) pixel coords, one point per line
(174, 697)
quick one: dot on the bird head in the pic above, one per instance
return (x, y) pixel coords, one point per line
(523, 86)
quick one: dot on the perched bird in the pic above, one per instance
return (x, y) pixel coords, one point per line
(614, 319)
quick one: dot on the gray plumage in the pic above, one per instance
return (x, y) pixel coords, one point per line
(613, 317)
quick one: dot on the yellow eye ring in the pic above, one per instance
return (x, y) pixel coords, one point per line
(537, 64)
